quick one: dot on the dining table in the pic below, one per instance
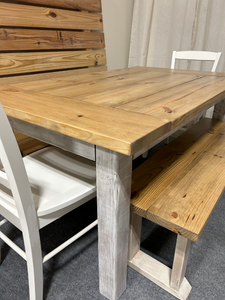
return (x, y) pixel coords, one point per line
(112, 117)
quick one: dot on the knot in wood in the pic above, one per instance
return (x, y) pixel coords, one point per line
(167, 109)
(134, 194)
(174, 214)
(211, 131)
(52, 14)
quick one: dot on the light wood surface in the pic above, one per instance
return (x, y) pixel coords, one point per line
(88, 5)
(190, 170)
(47, 61)
(42, 77)
(33, 39)
(44, 17)
(129, 109)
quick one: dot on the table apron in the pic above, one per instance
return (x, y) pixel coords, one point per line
(57, 139)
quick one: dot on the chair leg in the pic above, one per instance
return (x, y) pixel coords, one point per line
(34, 265)
(180, 262)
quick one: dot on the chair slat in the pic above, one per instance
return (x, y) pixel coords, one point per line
(11, 63)
(31, 39)
(44, 17)
(88, 5)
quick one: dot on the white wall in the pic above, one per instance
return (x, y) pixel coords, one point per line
(117, 19)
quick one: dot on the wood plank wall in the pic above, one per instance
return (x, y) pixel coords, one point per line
(39, 35)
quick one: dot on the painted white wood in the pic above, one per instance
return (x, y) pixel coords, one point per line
(158, 273)
(180, 261)
(114, 172)
(196, 55)
(13, 245)
(69, 242)
(43, 184)
(15, 170)
(57, 139)
(135, 234)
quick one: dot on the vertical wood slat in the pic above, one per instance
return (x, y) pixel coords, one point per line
(31, 39)
(44, 17)
(88, 5)
(18, 63)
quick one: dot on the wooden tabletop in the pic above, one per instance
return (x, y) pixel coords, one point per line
(123, 110)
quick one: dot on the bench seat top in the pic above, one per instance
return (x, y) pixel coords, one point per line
(179, 187)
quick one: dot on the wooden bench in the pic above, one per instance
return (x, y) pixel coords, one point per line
(178, 188)
(49, 39)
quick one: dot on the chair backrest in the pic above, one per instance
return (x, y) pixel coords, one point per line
(39, 36)
(15, 175)
(196, 55)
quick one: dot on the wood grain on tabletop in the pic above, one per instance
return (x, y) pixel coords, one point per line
(33, 39)
(114, 91)
(44, 17)
(175, 97)
(75, 78)
(177, 174)
(14, 63)
(169, 104)
(92, 123)
(88, 5)
(45, 77)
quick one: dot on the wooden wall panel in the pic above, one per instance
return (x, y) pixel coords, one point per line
(50, 75)
(88, 5)
(44, 17)
(18, 63)
(28, 39)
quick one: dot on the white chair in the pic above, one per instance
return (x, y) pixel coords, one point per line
(196, 55)
(35, 191)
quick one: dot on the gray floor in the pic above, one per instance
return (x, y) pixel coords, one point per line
(73, 273)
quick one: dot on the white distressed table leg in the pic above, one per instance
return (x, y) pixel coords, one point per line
(114, 171)
(219, 111)
(180, 261)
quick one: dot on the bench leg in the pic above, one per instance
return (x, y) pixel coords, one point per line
(180, 261)
(135, 235)
(173, 281)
